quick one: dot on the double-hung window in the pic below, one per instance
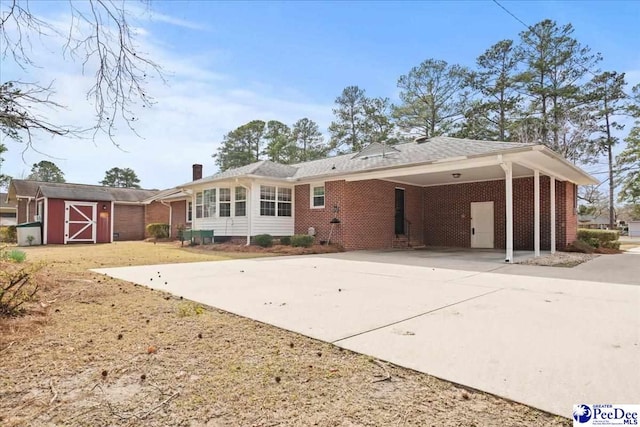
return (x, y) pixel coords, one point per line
(284, 201)
(267, 200)
(209, 203)
(189, 211)
(241, 201)
(199, 205)
(317, 196)
(225, 202)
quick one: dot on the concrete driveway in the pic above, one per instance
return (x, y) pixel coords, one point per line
(548, 343)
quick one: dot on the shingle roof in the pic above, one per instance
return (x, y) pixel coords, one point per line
(27, 188)
(3, 201)
(429, 150)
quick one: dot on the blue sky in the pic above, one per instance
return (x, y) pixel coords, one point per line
(231, 62)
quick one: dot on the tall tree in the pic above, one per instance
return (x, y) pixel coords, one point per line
(492, 115)
(46, 171)
(124, 178)
(241, 146)
(628, 162)
(606, 92)
(348, 129)
(359, 121)
(308, 140)
(556, 67)
(280, 147)
(432, 98)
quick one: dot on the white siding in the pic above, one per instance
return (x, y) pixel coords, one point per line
(226, 226)
(274, 225)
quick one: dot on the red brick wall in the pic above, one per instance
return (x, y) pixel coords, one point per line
(367, 213)
(178, 216)
(128, 222)
(155, 212)
(306, 217)
(448, 210)
(439, 216)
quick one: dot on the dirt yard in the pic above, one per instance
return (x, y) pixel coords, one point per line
(103, 352)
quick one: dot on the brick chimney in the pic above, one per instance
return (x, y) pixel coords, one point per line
(197, 172)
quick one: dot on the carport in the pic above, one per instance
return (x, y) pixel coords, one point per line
(493, 201)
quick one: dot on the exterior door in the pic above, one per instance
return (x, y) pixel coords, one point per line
(482, 223)
(79, 222)
(399, 223)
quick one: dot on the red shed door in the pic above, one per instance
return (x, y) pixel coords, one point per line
(79, 222)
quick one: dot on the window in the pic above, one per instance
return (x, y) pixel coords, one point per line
(241, 201)
(267, 200)
(199, 205)
(284, 202)
(209, 203)
(225, 202)
(317, 196)
(189, 211)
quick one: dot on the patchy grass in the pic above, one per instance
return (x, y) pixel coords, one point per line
(100, 351)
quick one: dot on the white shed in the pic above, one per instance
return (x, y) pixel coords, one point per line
(634, 228)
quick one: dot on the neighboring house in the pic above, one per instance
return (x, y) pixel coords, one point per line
(8, 211)
(83, 213)
(634, 228)
(439, 192)
(592, 221)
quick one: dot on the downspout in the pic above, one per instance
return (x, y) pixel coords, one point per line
(170, 215)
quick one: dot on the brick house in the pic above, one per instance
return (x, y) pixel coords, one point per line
(84, 213)
(437, 192)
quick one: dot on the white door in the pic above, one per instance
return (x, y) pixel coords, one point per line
(482, 224)
(79, 222)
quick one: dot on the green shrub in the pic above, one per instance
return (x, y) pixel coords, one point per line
(16, 256)
(596, 238)
(302, 240)
(8, 234)
(286, 240)
(610, 245)
(580, 246)
(158, 230)
(264, 240)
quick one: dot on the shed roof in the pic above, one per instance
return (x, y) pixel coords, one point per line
(69, 191)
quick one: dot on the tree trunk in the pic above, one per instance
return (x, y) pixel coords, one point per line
(612, 214)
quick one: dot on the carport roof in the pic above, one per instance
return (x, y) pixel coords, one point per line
(377, 157)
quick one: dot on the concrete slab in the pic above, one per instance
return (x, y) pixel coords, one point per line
(549, 343)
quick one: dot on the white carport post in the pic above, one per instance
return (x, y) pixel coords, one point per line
(536, 212)
(508, 172)
(552, 195)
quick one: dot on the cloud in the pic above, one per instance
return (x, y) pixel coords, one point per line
(194, 109)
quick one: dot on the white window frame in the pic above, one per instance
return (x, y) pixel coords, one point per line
(189, 218)
(226, 202)
(312, 187)
(236, 201)
(277, 201)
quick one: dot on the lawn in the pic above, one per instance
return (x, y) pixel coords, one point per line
(99, 351)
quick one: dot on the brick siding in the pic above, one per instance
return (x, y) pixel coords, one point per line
(439, 215)
(178, 217)
(366, 212)
(22, 210)
(128, 222)
(155, 212)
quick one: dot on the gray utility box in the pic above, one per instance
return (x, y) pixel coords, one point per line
(27, 229)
